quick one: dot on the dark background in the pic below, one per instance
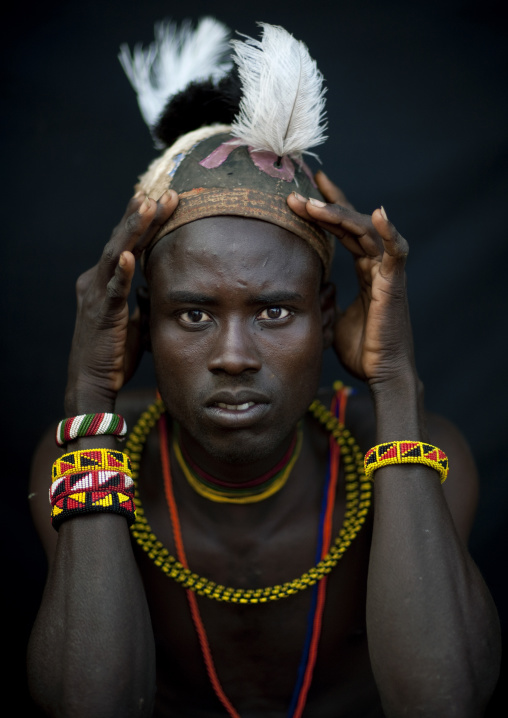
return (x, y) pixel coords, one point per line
(418, 113)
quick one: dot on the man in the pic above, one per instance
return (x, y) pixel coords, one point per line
(235, 481)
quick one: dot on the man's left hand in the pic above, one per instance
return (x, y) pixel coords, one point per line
(372, 338)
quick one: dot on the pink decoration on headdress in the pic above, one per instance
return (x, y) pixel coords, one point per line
(266, 162)
(263, 159)
(219, 154)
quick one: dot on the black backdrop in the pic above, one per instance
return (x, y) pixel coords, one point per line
(418, 112)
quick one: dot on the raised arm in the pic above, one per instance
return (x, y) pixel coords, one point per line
(432, 627)
(91, 652)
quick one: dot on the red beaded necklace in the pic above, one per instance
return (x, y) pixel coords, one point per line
(247, 492)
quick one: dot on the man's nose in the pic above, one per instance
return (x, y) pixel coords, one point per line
(234, 350)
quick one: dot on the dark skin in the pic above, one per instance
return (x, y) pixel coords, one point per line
(237, 306)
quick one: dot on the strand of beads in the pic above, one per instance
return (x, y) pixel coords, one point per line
(358, 499)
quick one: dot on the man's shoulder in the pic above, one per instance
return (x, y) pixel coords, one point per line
(461, 486)
(359, 418)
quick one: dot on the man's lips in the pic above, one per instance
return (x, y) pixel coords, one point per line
(238, 400)
(237, 409)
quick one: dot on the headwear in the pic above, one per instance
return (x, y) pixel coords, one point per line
(241, 158)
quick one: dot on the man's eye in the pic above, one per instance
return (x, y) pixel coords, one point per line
(274, 313)
(195, 316)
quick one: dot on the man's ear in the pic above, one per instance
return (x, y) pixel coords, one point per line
(143, 300)
(328, 312)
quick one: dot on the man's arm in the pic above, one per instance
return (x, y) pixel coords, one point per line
(91, 652)
(432, 627)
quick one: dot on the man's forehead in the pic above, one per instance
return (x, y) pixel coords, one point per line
(228, 236)
(235, 245)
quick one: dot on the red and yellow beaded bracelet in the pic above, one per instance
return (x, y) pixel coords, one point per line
(91, 481)
(88, 502)
(406, 452)
(88, 459)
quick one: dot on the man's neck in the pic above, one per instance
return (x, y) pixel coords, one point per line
(267, 513)
(224, 469)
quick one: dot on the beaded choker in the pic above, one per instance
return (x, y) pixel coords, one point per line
(358, 499)
(248, 492)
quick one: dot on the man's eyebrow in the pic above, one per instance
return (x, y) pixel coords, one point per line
(185, 297)
(276, 297)
(177, 296)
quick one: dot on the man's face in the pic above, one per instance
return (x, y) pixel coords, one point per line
(236, 328)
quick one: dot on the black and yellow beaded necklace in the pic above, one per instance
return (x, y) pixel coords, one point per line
(358, 499)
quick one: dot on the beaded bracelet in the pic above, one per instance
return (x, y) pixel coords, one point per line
(76, 462)
(406, 452)
(88, 502)
(90, 481)
(90, 425)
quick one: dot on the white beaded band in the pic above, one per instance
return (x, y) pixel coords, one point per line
(90, 425)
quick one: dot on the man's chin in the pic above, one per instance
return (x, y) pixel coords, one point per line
(238, 451)
(239, 448)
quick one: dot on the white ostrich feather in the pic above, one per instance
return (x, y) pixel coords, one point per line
(283, 106)
(174, 60)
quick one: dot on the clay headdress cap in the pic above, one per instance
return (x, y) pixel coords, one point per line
(248, 166)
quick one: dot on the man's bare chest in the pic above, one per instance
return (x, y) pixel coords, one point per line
(257, 649)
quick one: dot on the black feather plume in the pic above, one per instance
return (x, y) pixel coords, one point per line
(201, 103)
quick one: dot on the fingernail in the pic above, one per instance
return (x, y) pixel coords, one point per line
(382, 210)
(139, 193)
(300, 198)
(165, 197)
(317, 202)
(121, 261)
(145, 205)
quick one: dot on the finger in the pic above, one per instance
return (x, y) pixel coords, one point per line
(395, 246)
(341, 220)
(155, 214)
(348, 241)
(393, 242)
(330, 191)
(135, 231)
(133, 204)
(354, 230)
(119, 285)
(125, 237)
(166, 205)
(299, 205)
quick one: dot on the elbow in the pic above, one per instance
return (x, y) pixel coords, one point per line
(458, 686)
(85, 694)
(83, 704)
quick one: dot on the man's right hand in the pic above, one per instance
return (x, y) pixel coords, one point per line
(107, 344)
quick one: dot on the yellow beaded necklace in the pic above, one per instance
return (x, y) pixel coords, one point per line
(358, 499)
(239, 495)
